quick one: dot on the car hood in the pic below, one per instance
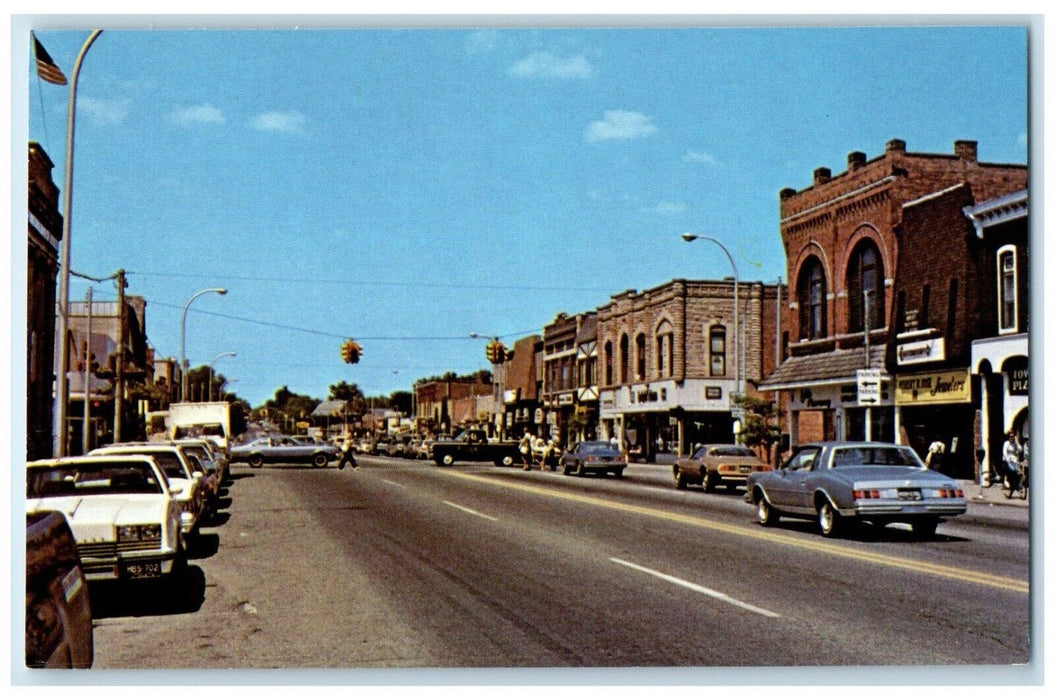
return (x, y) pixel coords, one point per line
(94, 517)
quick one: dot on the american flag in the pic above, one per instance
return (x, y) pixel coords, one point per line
(46, 67)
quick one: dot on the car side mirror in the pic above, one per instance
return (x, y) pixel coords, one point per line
(176, 490)
(198, 475)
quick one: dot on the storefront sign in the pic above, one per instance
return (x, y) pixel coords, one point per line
(932, 350)
(952, 386)
(712, 392)
(1018, 382)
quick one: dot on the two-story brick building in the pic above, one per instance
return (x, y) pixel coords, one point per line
(847, 245)
(569, 388)
(668, 361)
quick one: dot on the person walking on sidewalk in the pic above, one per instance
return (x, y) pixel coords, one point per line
(347, 453)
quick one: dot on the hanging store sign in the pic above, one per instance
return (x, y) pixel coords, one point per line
(932, 350)
(951, 386)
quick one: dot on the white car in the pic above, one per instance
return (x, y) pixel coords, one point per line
(120, 508)
(177, 469)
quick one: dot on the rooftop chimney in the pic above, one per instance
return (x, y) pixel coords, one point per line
(967, 150)
(821, 176)
(855, 160)
(895, 145)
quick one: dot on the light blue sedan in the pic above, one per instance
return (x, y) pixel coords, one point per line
(838, 483)
(281, 449)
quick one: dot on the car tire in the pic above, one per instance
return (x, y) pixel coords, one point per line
(617, 473)
(709, 481)
(447, 460)
(320, 460)
(680, 482)
(924, 528)
(767, 515)
(256, 461)
(507, 461)
(579, 471)
(828, 519)
(566, 469)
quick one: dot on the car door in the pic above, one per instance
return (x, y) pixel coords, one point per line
(791, 488)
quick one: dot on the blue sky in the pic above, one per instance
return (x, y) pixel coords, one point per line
(409, 187)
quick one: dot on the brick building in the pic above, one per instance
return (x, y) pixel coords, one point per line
(521, 389)
(569, 386)
(668, 361)
(45, 234)
(441, 405)
(847, 245)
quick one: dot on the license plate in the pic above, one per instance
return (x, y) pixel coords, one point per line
(745, 470)
(910, 495)
(150, 569)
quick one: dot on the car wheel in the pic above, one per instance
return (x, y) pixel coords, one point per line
(448, 460)
(680, 482)
(579, 471)
(767, 517)
(256, 461)
(617, 473)
(709, 481)
(828, 519)
(925, 527)
(565, 468)
(507, 461)
(320, 460)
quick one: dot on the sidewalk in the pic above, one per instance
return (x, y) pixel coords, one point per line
(994, 495)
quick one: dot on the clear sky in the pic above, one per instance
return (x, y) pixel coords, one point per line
(408, 187)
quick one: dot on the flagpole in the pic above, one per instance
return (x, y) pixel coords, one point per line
(62, 392)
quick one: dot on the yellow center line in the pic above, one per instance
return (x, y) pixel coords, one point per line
(823, 547)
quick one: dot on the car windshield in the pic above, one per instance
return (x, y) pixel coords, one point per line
(864, 456)
(731, 451)
(91, 479)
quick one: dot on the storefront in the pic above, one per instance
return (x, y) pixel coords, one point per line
(936, 406)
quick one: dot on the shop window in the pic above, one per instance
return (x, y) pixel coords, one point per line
(864, 285)
(812, 295)
(717, 346)
(1007, 274)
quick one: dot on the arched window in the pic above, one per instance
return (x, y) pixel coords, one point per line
(609, 362)
(716, 344)
(665, 350)
(640, 343)
(864, 287)
(812, 295)
(624, 359)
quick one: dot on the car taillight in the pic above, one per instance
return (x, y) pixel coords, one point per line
(949, 493)
(865, 494)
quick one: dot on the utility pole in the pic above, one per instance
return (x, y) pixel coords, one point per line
(119, 370)
(86, 430)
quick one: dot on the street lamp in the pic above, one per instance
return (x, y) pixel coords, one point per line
(222, 354)
(183, 338)
(690, 237)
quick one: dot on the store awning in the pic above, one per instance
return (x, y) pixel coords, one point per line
(835, 367)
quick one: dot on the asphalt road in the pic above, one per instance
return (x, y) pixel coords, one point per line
(405, 565)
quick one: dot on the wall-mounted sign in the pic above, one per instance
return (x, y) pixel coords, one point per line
(931, 350)
(712, 392)
(951, 386)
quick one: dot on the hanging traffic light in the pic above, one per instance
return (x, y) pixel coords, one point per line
(351, 351)
(496, 352)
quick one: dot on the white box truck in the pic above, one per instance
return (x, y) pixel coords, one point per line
(210, 419)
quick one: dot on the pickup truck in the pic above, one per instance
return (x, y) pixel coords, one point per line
(473, 446)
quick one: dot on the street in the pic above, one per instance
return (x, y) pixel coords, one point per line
(404, 565)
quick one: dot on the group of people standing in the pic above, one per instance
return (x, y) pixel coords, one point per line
(536, 449)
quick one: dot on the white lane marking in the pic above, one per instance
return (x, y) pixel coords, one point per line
(393, 483)
(699, 589)
(470, 510)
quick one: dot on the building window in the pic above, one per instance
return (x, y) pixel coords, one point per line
(640, 343)
(609, 364)
(665, 350)
(1007, 274)
(812, 298)
(624, 359)
(864, 286)
(717, 345)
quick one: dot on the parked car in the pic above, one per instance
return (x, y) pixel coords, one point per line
(843, 482)
(714, 465)
(121, 511)
(58, 611)
(280, 449)
(365, 446)
(593, 456)
(473, 445)
(210, 460)
(179, 470)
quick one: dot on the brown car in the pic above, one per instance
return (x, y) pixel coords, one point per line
(711, 465)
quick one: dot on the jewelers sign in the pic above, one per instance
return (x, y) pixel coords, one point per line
(951, 386)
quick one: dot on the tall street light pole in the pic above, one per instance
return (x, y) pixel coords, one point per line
(690, 237)
(62, 391)
(183, 338)
(222, 354)
(498, 376)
